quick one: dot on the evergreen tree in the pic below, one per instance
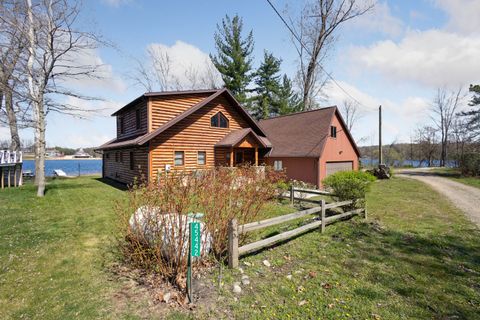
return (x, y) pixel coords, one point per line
(267, 89)
(288, 101)
(473, 116)
(234, 56)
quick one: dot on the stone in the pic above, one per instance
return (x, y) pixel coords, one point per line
(245, 280)
(266, 263)
(236, 288)
(240, 270)
(166, 297)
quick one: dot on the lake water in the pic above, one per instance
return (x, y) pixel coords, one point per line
(413, 163)
(71, 167)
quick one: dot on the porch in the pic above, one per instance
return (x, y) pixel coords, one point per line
(241, 147)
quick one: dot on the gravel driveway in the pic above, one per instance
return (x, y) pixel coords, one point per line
(465, 197)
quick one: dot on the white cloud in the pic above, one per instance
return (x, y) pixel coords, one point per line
(379, 20)
(399, 118)
(432, 58)
(104, 78)
(189, 67)
(463, 15)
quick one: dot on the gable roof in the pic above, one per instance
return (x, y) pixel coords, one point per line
(234, 137)
(140, 140)
(159, 94)
(302, 134)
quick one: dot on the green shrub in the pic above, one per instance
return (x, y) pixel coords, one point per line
(348, 185)
(470, 164)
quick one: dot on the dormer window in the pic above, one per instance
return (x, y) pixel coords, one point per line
(333, 131)
(219, 120)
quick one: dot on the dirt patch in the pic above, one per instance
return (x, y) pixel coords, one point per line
(152, 296)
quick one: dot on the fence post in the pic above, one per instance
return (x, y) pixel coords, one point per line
(322, 203)
(233, 244)
(292, 194)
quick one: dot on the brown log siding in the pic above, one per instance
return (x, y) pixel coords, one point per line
(194, 134)
(130, 122)
(165, 108)
(120, 171)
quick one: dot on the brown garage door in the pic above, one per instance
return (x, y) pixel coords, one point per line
(333, 167)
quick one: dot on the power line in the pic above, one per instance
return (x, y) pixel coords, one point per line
(308, 51)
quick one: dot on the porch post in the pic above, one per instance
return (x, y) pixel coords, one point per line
(256, 156)
(231, 157)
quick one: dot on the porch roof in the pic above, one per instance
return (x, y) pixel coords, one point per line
(235, 137)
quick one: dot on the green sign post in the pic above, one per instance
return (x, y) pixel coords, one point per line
(194, 250)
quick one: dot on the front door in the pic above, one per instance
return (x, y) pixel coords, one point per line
(238, 157)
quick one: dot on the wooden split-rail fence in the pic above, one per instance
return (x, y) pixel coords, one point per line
(234, 251)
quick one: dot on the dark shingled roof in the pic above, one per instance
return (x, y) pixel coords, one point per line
(234, 137)
(302, 134)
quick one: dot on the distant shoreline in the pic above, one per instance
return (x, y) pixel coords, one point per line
(60, 158)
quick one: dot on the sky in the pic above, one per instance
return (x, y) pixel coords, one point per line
(396, 56)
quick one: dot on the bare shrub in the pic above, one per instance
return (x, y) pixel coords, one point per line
(156, 237)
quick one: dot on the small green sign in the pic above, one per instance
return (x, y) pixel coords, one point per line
(195, 241)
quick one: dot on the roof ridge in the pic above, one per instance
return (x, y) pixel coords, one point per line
(176, 92)
(296, 113)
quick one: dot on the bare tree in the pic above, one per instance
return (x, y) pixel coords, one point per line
(444, 107)
(12, 46)
(316, 29)
(351, 113)
(156, 73)
(54, 46)
(427, 141)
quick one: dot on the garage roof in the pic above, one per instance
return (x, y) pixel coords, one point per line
(302, 134)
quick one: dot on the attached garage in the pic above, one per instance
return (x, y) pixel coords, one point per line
(332, 167)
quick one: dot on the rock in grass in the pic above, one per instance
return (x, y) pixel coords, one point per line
(166, 297)
(237, 288)
(266, 263)
(245, 280)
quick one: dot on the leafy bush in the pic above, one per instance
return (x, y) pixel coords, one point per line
(156, 237)
(348, 185)
(470, 164)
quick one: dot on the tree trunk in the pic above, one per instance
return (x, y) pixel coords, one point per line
(12, 121)
(40, 165)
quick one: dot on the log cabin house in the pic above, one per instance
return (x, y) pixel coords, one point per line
(201, 129)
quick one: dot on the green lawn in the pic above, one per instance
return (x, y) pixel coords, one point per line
(415, 257)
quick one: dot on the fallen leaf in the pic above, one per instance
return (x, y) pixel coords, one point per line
(312, 274)
(326, 285)
(301, 303)
(330, 305)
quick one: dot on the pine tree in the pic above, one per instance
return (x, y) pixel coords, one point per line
(288, 101)
(473, 116)
(234, 56)
(267, 81)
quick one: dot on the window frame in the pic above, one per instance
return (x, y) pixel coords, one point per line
(204, 158)
(333, 132)
(275, 165)
(218, 116)
(175, 158)
(138, 119)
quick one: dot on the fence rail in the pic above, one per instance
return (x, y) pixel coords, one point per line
(293, 191)
(234, 251)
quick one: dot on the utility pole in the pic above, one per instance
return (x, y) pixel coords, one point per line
(380, 158)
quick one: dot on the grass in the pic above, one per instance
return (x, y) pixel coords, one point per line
(416, 257)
